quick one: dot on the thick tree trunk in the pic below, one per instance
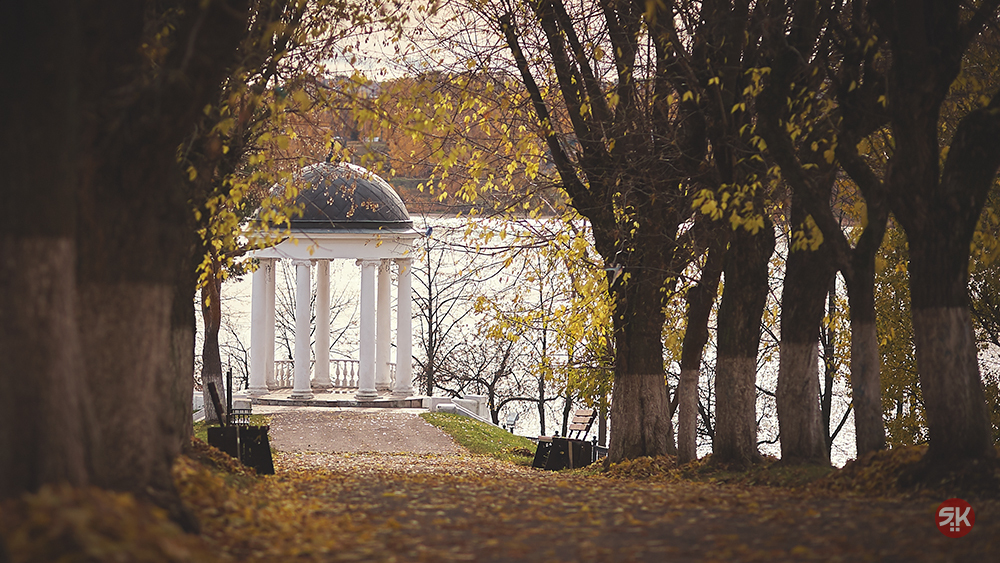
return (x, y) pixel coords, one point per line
(134, 236)
(640, 408)
(700, 299)
(122, 351)
(177, 382)
(743, 298)
(44, 428)
(97, 351)
(939, 230)
(211, 358)
(807, 278)
(44, 408)
(938, 208)
(957, 418)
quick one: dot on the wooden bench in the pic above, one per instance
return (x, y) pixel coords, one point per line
(570, 451)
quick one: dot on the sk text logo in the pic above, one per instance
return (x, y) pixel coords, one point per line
(955, 518)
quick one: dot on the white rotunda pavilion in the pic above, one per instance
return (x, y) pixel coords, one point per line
(348, 213)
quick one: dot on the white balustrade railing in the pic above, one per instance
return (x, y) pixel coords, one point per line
(343, 373)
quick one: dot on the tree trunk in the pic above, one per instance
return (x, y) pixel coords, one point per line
(939, 209)
(104, 342)
(541, 405)
(700, 299)
(211, 358)
(957, 418)
(743, 298)
(807, 278)
(866, 390)
(44, 407)
(567, 409)
(44, 422)
(176, 383)
(829, 342)
(134, 237)
(640, 408)
(602, 421)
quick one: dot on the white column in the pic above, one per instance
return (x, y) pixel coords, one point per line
(383, 336)
(321, 375)
(404, 334)
(271, 264)
(366, 352)
(303, 291)
(258, 302)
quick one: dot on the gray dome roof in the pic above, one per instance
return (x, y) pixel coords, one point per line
(338, 196)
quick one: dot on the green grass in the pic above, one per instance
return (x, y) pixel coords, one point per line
(483, 439)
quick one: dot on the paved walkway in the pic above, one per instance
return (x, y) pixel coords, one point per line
(354, 430)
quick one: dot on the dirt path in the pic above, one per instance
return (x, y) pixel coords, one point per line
(465, 508)
(386, 486)
(377, 430)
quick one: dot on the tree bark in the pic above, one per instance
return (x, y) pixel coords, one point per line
(640, 408)
(95, 312)
(44, 423)
(861, 113)
(957, 418)
(44, 408)
(807, 278)
(211, 358)
(866, 389)
(700, 299)
(743, 298)
(174, 382)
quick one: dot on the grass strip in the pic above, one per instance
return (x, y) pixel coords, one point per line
(483, 439)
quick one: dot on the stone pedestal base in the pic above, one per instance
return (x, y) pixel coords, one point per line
(366, 395)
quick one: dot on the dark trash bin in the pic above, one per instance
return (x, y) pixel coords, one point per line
(225, 439)
(255, 449)
(248, 444)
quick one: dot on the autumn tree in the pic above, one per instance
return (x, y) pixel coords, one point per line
(611, 134)
(822, 98)
(710, 54)
(937, 199)
(700, 299)
(217, 150)
(97, 316)
(558, 311)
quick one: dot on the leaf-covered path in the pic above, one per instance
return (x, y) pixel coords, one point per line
(379, 507)
(345, 505)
